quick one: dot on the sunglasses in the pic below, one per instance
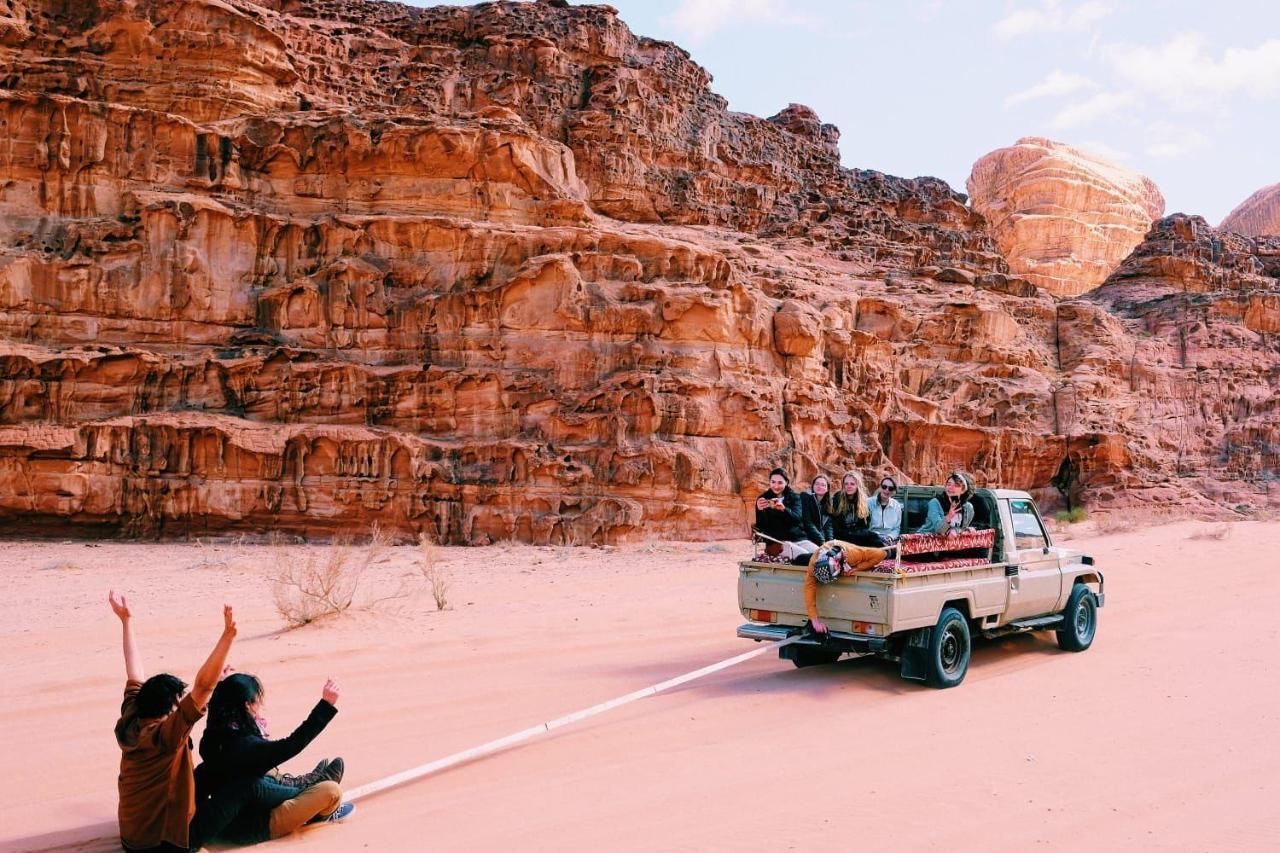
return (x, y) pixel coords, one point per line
(888, 488)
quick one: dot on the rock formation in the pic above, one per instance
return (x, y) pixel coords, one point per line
(1256, 216)
(506, 271)
(1181, 345)
(1063, 217)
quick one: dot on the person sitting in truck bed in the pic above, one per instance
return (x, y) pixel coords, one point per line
(952, 512)
(815, 510)
(886, 511)
(850, 514)
(779, 517)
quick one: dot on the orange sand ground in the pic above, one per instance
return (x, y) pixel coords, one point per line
(1162, 737)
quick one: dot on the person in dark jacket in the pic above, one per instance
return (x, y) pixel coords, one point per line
(238, 798)
(815, 511)
(851, 514)
(780, 518)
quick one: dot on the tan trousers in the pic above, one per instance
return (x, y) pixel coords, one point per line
(320, 799)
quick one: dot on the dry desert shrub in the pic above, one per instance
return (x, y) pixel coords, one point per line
(1218, 533)
(1112, 522)
(433, 571)
(311, 583)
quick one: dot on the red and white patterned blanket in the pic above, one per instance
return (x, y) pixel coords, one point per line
(930, 543)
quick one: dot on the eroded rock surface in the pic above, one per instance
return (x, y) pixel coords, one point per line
(1063, 217)
(1256, 216)
(507, 271)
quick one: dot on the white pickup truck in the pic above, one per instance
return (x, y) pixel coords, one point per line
(921, 607)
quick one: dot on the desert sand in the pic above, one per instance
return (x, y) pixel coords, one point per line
(1162, 737)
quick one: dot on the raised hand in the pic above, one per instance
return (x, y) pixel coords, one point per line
(228, 620)
(331, 692)
(119, 606)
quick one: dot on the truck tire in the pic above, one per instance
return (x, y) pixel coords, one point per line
(949, 650)
(1080, 620)
(803, 656)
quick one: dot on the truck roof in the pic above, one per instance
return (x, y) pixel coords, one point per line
(1010, 493)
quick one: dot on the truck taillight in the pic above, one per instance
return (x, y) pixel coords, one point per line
(760, 615)
(865, 628)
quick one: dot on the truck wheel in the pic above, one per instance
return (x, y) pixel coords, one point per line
(949, 650)
(803, 656)
(1081, 620)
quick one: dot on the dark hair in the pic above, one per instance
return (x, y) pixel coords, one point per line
(890, 479)
(964, 480)
(780, 473)
(229, 704)
(158, 695)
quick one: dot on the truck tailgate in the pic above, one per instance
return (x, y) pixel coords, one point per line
(779, 589)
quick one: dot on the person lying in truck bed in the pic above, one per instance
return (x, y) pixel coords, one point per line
(853, 558)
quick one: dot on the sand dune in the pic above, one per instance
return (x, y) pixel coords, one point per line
(1161, 737)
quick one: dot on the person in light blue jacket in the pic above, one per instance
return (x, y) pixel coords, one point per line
(953, 511)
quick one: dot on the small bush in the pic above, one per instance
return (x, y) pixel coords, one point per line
(1217, 533)
(433, 571)
(1075, 515)
(1112, 522)
(312, 583)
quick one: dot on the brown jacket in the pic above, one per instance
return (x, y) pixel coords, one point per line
(860, 559)
(157, 790)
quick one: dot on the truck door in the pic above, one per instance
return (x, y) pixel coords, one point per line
(1037, 586)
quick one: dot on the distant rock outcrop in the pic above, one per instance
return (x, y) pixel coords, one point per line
(1256, 216)
(1064, 218)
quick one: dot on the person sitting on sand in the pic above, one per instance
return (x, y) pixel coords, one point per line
(952, 512)
(886, 511)
(815, 510)
(237, 800)
(779, 516)
(854, 558)
(157, 789)
(850, 514)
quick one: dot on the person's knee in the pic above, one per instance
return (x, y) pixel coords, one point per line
(332, 792)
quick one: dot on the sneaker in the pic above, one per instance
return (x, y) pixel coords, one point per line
(326, 771)
(340, 814)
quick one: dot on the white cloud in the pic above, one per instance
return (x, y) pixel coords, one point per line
(1056, 84)
(1185, 74)
(1170, 141)
(696, 20)
(1051, 17)
(1100, 106)
(1103, 150)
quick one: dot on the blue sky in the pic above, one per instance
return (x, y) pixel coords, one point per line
(1185, 92)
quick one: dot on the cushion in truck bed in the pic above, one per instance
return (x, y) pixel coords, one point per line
(932, 543)
(913, 567)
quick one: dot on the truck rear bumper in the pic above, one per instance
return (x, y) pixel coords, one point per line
(860, 643)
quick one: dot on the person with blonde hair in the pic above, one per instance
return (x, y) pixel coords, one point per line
(851, 514)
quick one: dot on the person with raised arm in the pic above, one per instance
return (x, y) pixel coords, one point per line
(156, 783)
(239, 800)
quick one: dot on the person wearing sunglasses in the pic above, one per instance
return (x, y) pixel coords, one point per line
(886, 511)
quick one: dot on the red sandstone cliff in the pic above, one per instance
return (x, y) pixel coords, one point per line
(1256, 216)
(490, 272)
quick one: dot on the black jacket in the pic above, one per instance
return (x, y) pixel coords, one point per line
(817, 524)
(227, 781)
(847, 526)
(784, 525)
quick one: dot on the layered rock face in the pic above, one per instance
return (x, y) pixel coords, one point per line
(1181, 344)
(506, 271)
(1063, 217)
(1256, 216)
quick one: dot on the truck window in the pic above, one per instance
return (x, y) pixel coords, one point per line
(1027, 531)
